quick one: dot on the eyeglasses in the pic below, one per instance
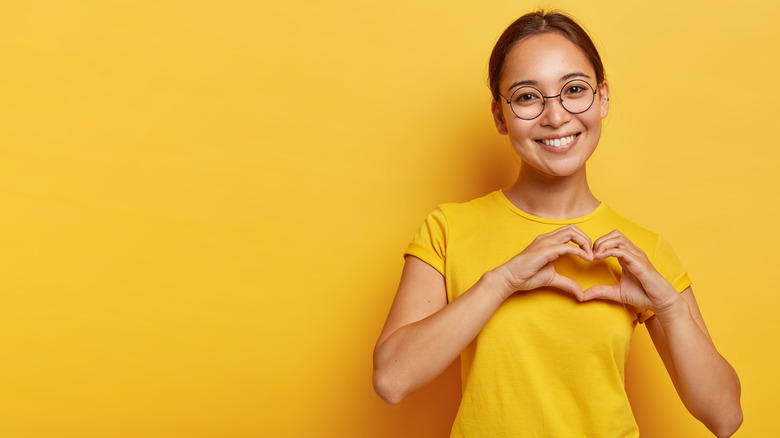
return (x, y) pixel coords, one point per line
(527, 102)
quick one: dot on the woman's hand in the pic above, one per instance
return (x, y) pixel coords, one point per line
(640, 284)
(706, 382)
(533, 267)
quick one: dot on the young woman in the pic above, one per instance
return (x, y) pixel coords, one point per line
(538, 287)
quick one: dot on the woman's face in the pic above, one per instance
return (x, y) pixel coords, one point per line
(547, 62)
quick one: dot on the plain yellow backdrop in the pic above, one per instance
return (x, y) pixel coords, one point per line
(204, 204)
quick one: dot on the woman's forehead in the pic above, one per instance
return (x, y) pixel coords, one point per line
(544, 59)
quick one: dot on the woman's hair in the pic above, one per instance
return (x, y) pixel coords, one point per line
(537, 23)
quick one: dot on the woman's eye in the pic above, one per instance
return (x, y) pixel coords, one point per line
(575, 89)
(525, 98)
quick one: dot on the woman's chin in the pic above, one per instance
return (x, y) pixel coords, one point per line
(555, 168)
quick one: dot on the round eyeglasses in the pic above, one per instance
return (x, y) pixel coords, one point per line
(527, 102)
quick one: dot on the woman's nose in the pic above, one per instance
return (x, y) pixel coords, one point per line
(554, 114)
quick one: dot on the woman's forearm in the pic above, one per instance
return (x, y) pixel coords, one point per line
(414, 353)
(707, 384)
(417, 353)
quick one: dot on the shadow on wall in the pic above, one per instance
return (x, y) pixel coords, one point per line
(485, 159)
(481, 161)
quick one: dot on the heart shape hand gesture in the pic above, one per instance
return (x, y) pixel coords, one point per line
(640, 285)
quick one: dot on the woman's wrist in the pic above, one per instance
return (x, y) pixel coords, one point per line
(498, 281)
(674, 311)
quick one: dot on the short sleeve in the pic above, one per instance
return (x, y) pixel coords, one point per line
(665, 261)
(430, 242)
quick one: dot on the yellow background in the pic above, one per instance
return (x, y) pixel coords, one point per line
(204, 204)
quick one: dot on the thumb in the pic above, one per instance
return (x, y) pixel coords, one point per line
(602, 292)
(567, 284)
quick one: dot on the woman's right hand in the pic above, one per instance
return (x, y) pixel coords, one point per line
(533, 267)
(423, 333)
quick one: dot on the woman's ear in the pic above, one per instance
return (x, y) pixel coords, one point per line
(498, 117)
(604, 96)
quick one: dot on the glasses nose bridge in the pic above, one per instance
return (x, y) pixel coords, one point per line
(556, 97)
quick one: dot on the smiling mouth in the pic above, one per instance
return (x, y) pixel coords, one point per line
(559, 142)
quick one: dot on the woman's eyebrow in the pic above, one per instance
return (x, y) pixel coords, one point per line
(521, 83)
(564, 78)
(577, 74)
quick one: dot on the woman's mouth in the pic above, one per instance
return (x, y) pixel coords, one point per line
(560, 142)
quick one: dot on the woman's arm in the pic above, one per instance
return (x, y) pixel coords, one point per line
(423, 334)
(707, 384)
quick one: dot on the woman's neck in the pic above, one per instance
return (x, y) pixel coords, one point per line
(552, 197)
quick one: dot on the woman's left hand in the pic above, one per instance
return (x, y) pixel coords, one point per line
(640, 284)
(706, 382)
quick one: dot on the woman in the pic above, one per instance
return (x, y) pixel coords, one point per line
(539, 286)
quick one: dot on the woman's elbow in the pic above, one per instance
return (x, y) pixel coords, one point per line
(728, 426)
(386, 388)
(387, 383)
(730, 422)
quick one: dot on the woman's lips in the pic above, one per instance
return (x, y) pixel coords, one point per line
(559, 144)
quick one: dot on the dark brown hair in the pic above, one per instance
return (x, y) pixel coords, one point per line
(537, 23)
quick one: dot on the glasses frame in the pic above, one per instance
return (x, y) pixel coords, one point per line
(544, 98)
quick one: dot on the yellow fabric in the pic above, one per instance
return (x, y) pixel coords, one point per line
(545, 365)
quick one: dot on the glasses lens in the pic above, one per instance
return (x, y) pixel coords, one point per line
(577, 96)
(527, 102)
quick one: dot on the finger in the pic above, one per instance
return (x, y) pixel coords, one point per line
(629, 261)
(566, 248)
(538, 254)
(615, 241)
(570, 233)
(613, 238)
(611, 235)
(601, 292)
(622, 254)
(568, 285)
(610, 243)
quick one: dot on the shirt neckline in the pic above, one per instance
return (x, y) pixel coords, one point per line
(499, 194)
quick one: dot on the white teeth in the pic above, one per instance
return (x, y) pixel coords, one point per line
(559, 142)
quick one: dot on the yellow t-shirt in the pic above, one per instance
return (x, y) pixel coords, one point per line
(545, 365)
